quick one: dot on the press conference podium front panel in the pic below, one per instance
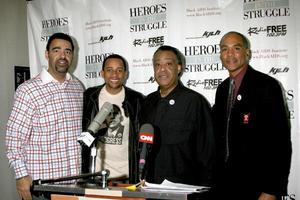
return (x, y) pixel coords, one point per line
(75, 192)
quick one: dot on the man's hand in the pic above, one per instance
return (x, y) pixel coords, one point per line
(265, 196)
(23, 187)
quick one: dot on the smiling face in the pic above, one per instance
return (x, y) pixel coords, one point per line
(59, 58)
(234, 55)
(166, 70)
(114, 74)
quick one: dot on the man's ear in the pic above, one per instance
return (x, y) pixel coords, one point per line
(248, 54)
(179, 68)
(46, 55)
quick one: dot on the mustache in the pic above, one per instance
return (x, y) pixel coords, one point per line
(63, 59)
(231, 59)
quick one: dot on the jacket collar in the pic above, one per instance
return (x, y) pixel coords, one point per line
(173, 93)
(95, 94)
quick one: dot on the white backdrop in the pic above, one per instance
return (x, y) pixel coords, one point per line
(135, 28)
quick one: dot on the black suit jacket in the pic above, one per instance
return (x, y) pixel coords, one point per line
(259, 137)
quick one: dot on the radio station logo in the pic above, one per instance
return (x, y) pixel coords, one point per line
(102, 39)
(207, 34)
(270, 31)
(208, 84)
(50, 26)
(150, 42)
(254, 9)
(93, 64)
(276, 70)
(150, 80)
(151, 17)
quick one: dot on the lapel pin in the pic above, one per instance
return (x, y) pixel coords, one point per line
(172, 102)
(246, 118)
(239, 97)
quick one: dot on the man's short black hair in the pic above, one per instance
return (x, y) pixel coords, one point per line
(245, 40)
(180, 57)
(115, 56)
(62, 36)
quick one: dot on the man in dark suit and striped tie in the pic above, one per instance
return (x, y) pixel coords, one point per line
(253, 140)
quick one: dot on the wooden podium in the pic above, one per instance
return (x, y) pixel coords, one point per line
(89, 197)
(75, 192)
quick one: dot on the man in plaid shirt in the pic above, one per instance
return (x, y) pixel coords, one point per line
(42, 129)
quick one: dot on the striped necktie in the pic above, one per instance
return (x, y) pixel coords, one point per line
(230, 102)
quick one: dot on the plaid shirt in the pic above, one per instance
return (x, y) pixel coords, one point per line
(42, 130)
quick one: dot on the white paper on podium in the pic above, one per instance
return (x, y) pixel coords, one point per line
(168, 186)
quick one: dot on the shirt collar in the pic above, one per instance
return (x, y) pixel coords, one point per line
(46, 77)
(171, 94)
(238, 78)
(122, 91)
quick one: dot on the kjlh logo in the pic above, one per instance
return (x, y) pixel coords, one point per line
(102, 39)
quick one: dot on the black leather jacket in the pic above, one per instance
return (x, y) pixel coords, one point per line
(132, 106)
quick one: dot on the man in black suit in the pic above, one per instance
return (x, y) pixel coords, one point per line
(253, 134)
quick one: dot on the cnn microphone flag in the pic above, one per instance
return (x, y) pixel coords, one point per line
(146, 138)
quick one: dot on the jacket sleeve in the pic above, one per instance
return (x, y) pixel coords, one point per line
(276, 126)
(206, 151)
(86, 112)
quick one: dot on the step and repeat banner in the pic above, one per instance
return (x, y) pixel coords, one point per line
(135, 29)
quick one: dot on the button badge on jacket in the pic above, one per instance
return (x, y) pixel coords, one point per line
(172, 102)
(246, 118)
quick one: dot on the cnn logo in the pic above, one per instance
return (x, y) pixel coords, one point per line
(146, 138)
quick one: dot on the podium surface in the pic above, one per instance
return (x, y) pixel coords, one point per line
(74, 192)
(89, 197)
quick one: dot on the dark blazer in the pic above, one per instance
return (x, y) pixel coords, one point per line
(132, 106)
(259, 137)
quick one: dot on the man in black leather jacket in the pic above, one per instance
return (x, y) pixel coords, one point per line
(114, 71)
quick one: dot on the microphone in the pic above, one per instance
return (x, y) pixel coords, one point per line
(146, 136)
(87, 137)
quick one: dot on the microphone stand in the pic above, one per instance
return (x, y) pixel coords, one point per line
(93, 156)
(67, 178)
(94, 181)
(37, 184)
